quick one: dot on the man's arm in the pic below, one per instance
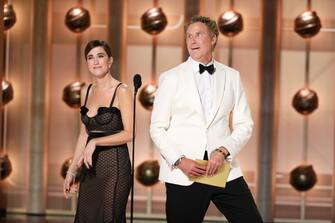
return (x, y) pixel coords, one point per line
(241, 131)
(242, 123)
(160, 118)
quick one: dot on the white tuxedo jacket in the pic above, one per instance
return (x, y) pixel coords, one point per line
(178, 126)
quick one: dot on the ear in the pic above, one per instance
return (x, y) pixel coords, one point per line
(214, 40)
(110, 62)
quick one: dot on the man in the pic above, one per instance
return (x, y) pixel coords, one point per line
(190, 120)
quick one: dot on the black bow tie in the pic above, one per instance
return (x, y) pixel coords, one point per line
(210, 69)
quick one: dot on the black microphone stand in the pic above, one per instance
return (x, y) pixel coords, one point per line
(133, 153)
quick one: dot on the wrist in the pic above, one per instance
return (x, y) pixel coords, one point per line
(94, 141)
(71, 173)
(222, 151)
(177, 163)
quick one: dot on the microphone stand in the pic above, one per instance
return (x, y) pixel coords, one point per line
(132, 160)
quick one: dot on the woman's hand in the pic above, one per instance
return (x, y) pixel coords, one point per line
(88, 152)
(68, 184)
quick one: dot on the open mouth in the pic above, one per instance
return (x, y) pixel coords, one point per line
(195, 48)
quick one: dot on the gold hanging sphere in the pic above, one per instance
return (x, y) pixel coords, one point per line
(65, 167)
(77, 19)
(9, 16)
(5, 166)
(305, 101)
(147, 96)
(71, 94)
(230, 23)
(307, 24)
(7, 92)
(153, 21)
(303, 177)
(147, 172)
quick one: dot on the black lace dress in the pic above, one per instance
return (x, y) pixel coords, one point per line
(104, 188)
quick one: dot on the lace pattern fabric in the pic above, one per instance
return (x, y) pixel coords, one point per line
(104, 188)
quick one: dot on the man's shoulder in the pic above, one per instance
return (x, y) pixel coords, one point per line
(228, 71)
(225, 68)
(174, 71)
(177, 68)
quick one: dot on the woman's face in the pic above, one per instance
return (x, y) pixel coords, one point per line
(98, 62)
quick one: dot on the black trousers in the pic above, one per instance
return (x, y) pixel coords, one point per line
(188, 204)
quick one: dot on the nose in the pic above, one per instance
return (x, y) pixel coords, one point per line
(95, 61)
(191, 40)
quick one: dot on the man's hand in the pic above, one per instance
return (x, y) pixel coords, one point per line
(215, 162)
(192, 168)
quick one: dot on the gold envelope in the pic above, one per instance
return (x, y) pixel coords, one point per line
(218, 180)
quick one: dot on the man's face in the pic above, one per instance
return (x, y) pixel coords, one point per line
(200, 42)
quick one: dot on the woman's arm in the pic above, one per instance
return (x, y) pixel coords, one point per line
(82, 139)
(80, 146)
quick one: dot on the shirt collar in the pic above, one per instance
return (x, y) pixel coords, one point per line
(195, 64)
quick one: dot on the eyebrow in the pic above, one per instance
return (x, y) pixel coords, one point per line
(197, 32)
(99, 54)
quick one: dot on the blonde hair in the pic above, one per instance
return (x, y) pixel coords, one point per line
(211, 24)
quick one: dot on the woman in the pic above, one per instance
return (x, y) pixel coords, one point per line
(101, 148)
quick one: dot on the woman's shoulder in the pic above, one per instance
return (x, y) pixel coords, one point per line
(85, 87)
(123, 89)
(83, 93)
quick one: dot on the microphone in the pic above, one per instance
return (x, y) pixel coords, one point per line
(137, 85)
(137, 82)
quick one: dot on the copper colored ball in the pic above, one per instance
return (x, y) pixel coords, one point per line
(5, 166)
(9, 16)
(303, 177)
(147, 96)
(305, 101)
(77, 19)
(307, 24)
(65, 168)
(7, 92)
(230, 23)
(71, 94)
(147, 172)
(153, 21)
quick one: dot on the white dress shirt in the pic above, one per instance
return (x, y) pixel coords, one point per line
(205, 85)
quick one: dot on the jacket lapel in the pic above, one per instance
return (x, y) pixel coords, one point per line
(190, 84)
(219, 88)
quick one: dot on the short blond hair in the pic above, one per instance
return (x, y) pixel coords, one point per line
(211, 24)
